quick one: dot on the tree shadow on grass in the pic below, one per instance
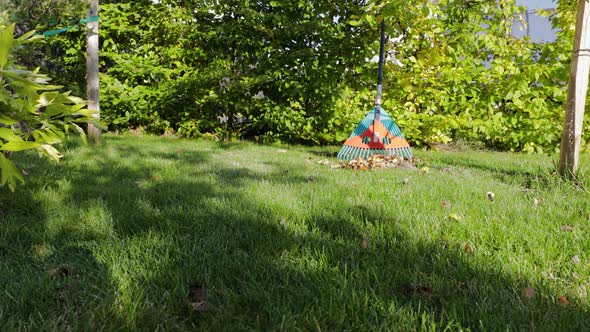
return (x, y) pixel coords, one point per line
(264, 271)
(47, 280)
(512, 173)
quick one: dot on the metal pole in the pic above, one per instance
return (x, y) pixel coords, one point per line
(379, 80)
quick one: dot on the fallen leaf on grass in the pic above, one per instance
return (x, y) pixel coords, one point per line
(455, 217)
(62, 271)
(416, 290)
(196, 297)
(310, 178)
(445, 204)
(576, 259)
(468, 248)
(528, 293)
(446, 170)
(566, 228)
(283, 221)
(535, 203)
(424, 170)
(563, 301)
(60, 293)
(365, 243)
(373, 162)
(25, 173)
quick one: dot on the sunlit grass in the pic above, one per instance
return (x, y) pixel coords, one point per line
(112, 237)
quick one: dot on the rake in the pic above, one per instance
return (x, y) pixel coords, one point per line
(377, 133)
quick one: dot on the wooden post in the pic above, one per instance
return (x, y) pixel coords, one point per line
(92, 70)
(576, 95)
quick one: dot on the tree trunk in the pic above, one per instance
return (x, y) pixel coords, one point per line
(576, 96)
(92, 70)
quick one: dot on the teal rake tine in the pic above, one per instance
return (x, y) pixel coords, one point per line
(342, 152)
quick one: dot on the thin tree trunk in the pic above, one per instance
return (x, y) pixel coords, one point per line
(92, 70)
(576, 97)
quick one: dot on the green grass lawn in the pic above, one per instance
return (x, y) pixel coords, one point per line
(112, 237)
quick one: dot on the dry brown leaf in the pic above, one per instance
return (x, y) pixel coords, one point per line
(528, 293)
(365, 243)
(566, 228)
(563, 301)
(375, 161)
(60, 293)
(445, 204)
(196, 297)
(417, 290)
(62, 271)
(468, 248)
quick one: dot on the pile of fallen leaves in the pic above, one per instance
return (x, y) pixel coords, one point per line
(374, 161)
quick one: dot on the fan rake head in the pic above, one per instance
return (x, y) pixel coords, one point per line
(376, 134)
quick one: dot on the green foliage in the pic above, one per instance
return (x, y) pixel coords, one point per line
(297, 71)
(34, 115)
(463, 75)
(233, 68)
(56, 55)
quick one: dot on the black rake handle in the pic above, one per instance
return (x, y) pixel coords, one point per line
(381, 53)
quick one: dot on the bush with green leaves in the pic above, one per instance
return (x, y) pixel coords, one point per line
(34, 115)
(461, 74)
(273, 70)
(458, 71)
(298, 71)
